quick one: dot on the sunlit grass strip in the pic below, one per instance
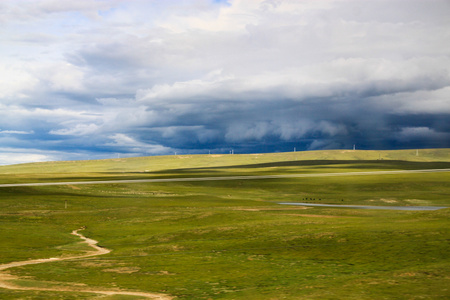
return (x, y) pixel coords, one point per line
(249, 177)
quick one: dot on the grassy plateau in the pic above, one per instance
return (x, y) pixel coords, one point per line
(231, 239)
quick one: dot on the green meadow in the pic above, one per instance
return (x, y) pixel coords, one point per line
(232, 239)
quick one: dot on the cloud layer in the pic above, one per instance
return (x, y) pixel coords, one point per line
(96, 78)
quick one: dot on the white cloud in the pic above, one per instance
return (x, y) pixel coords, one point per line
(424, 101)
(65, 77)
(10, 155)
(129, 144)
(233, 17)
(15, 82)
(20, 158)
(411, 133)
(32, 10)
(79, 129)
(333, 78)
(15, 113)
(16, 132)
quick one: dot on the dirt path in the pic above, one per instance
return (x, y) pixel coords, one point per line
(6, 278)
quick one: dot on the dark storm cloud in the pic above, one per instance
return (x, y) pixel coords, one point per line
(95, 78)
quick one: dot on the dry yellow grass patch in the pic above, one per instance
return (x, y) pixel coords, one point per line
(73, 187)
(273, 209)
(314, 216)
(123, 270)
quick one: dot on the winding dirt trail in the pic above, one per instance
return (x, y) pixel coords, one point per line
(6, 278)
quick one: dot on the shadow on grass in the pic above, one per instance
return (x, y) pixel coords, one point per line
(296, 167)
(347, 164)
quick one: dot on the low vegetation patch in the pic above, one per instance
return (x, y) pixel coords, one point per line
(231, 239)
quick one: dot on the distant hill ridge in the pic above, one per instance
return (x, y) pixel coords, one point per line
(172, 162)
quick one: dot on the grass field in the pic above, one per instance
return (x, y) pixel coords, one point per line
(231, 239)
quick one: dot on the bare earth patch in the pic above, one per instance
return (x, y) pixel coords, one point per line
(388, 200)
(123, 270)
(383, 200)
(314, 216)
(73, 187)
(407, 274)
(418, 201)
(272, 208)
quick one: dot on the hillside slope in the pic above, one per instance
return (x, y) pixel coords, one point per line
(159, 163)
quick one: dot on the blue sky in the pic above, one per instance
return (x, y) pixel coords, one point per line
(92, 79)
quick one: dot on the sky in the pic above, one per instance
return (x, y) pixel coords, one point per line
(95, 79)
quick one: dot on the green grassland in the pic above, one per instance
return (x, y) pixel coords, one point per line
(231, 239)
